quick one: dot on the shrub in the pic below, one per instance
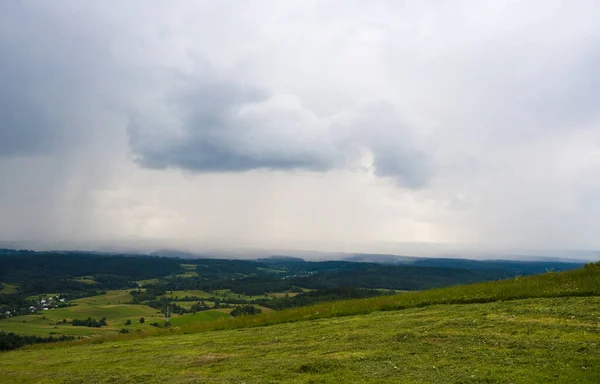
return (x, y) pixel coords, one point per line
(244, 310)
(89, 322)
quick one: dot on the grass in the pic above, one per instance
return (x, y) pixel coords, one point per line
(110, 305)
(203, 316)
(85, 279)
(581, 282)
(113, 307)
(187, 274)
(9, 288)
(189, 293)
(542, 340)
(147, 281)
(118, 296)
(543, 328)
(227, 293)
(223, 294)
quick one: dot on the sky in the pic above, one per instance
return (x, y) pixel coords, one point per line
(325, 125)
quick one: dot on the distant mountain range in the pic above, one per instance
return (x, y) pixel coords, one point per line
(515, 266)
(512, 264)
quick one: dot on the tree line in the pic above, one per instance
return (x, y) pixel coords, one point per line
(9, 341)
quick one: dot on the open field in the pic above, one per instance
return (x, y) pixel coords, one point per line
(522, 341)
(111, 305)
(9, 288)
(85, 279)
(543, 328)
(223, 294)
(580, 282)
(226, 293)
(189, 318)
(118, 296)
(189, 293)
(147, 281)
(190, 270)
(187, 274)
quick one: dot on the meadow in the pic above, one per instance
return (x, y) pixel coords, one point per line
(114, 306)
(111, 305)
(543, 328)
(9, 288)
(580, 282)
(522, 341)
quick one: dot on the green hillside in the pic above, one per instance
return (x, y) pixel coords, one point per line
(580, 282)
(536, 329)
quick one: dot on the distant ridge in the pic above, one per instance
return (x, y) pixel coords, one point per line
(282, 258)
(530, 266)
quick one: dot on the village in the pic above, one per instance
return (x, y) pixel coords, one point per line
(38, 305)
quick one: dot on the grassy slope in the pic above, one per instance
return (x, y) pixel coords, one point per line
(197, 317)
(223, 294)
(525, 341)
(111, 305)
(552, 337)
(581, 282)
(9, 288)
(189, 293)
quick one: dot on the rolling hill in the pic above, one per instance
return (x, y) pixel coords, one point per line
(542, 328)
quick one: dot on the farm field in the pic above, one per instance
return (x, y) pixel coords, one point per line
(224, 294)
(521, 341)
(110, 305)
(113, 307)
(227, 293)
(85, 279)
(189, 293)
(9, 288)
(189, 318)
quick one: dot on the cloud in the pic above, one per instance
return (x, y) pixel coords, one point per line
(456, 122)
(215, 126)
(55, 72)
(211, 125)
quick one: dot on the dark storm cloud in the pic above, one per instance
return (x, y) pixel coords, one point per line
(54, 67)
(218, 126)
(213, 137)
(485, 114)
(26, 123)
(50, 71)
